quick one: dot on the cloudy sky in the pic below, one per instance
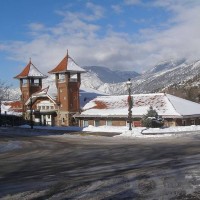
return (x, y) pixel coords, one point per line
(119, 34)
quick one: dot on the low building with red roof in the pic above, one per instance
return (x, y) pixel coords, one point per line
(113, 110)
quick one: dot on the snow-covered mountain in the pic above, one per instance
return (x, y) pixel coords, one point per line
(107, 75)
(98, 77)
(173, 73)
(159, 77)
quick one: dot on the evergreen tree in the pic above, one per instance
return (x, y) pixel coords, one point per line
(150, 120)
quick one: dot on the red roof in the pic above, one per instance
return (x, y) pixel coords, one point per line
(14, 104)
(25, 71)
(67, 65)
(62, 66)
(100, 105)
(30, 71)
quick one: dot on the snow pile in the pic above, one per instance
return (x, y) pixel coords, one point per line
(144, 132)
(173, 129)
(116, 129)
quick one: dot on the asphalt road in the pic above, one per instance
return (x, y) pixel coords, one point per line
(98, 167)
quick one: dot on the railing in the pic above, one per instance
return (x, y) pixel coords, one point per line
(35, 84)
(32, 84)
(70, 80)
(73, 80)
(61, 80)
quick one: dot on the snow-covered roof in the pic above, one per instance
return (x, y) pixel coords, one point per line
(67, 65)
(11, 108)
(30, 71)
(87, 94)
(167, 106)
(42, 93)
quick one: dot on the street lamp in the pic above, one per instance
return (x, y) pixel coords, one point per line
(0, 112)
(31, 112)
(130, 103)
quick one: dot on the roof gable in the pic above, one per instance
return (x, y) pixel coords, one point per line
(30, 71)
(39, 94)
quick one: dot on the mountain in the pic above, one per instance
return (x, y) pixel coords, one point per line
(166, 65)
(173, 73)
(107, 75)
(162, 76)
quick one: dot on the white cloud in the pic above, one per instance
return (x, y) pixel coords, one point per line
(98, 11)
(117, 8)
(36, 26)
(132, 2)
(79, 33)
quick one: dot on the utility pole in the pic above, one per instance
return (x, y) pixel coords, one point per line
(31, 112)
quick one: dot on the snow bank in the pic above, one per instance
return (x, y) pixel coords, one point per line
(136, 132)
(144, 132)
(116, 129)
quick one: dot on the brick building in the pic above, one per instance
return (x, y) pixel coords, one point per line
(45, 109)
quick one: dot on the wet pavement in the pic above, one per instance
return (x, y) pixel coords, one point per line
(84, 166)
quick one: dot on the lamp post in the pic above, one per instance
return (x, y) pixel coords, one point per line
(0, 112)
(130, 103)
(31, 112)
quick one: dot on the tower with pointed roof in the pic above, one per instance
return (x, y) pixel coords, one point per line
(68, 80)
(30, 82)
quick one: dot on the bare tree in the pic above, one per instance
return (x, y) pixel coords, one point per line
(4, 91)
(4, 94)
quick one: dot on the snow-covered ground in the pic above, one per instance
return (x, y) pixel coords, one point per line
(135, 132)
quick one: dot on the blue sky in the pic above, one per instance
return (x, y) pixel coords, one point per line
(119, 34)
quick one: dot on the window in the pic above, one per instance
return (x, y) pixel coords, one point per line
(43, 107)
(193, 122)
(109, 123)
(48, 116)
(184, 122)
(96, 123)
(85, 123)
(52, 107)
(63, 120)
(47, 107)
